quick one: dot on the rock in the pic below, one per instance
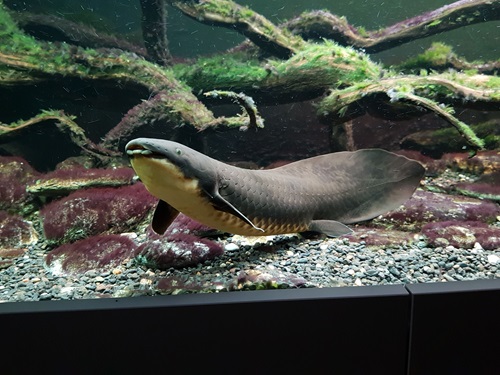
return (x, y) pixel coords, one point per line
(183, 284)
(479, 190)
(449, 140)
(64, 181)
(424, 207)
(380, 237)
(183, 244)
(363, 131)
(177, 250)
(231, 247)
(266, 279)
(16, 232)
(16, 173)
(96, 211)
(464, 235)
(484, 162)
(90, 254)
(493, 259)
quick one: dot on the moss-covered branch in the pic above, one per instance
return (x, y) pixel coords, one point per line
(426, 92)
(306, 75)
(245, 101)
(22, 57)
(446, 114)
(63, 123)
(440, 57)
(270, 38)
(304, 71)
(322, 24)
(49, 26)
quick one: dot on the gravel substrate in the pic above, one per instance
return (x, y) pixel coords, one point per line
(292, 260)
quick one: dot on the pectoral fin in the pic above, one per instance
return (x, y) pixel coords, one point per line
(222, 204)
(164, 215)
(331, 228)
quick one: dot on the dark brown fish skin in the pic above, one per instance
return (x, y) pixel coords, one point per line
(317, 194)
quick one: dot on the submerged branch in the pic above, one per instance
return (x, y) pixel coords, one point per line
(306, 75)
(63, 123)
(178, 108)
(246, 102)
(447, 115)
(304, 71)
(50, 27)
(440, 57)
(154, 30)
(263, 33)
(322, 24)
(424, 92)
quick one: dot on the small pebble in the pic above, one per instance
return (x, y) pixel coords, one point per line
(231, 247)
(493, 258)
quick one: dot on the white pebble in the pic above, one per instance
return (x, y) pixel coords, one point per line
(477, 247)
(493, 259)
(231, 247)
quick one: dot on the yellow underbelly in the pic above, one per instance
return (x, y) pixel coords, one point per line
(229, 223)
(184, 195)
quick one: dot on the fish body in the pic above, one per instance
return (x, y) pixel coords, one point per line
(319, 194)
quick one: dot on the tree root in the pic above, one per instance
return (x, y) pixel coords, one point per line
(424, 92)
(154, 30)
(440, 57)
(270, 38)
(246, 102)
(63, 123)
(301, 70)
(322, 24)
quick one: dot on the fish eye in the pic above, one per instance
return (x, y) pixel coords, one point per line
(178, 151)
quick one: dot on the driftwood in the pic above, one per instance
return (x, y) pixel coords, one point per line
(63, 123)
(345, 81)
(154, 30)
(440, 57)
(322, 24)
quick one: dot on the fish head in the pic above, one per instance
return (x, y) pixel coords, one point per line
(162, 164)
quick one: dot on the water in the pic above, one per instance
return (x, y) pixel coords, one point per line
(77, 83)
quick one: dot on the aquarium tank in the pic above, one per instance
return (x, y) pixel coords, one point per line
(155, 147)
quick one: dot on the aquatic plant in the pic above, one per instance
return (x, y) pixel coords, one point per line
(95, 211)
(93, 253)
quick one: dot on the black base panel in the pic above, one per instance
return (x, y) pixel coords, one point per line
(352, 330)
(455, 328)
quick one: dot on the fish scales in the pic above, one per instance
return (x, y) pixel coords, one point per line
(321, 194)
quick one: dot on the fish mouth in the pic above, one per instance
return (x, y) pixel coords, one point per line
(134, 148)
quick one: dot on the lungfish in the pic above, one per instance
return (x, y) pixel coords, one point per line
(319, 194)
